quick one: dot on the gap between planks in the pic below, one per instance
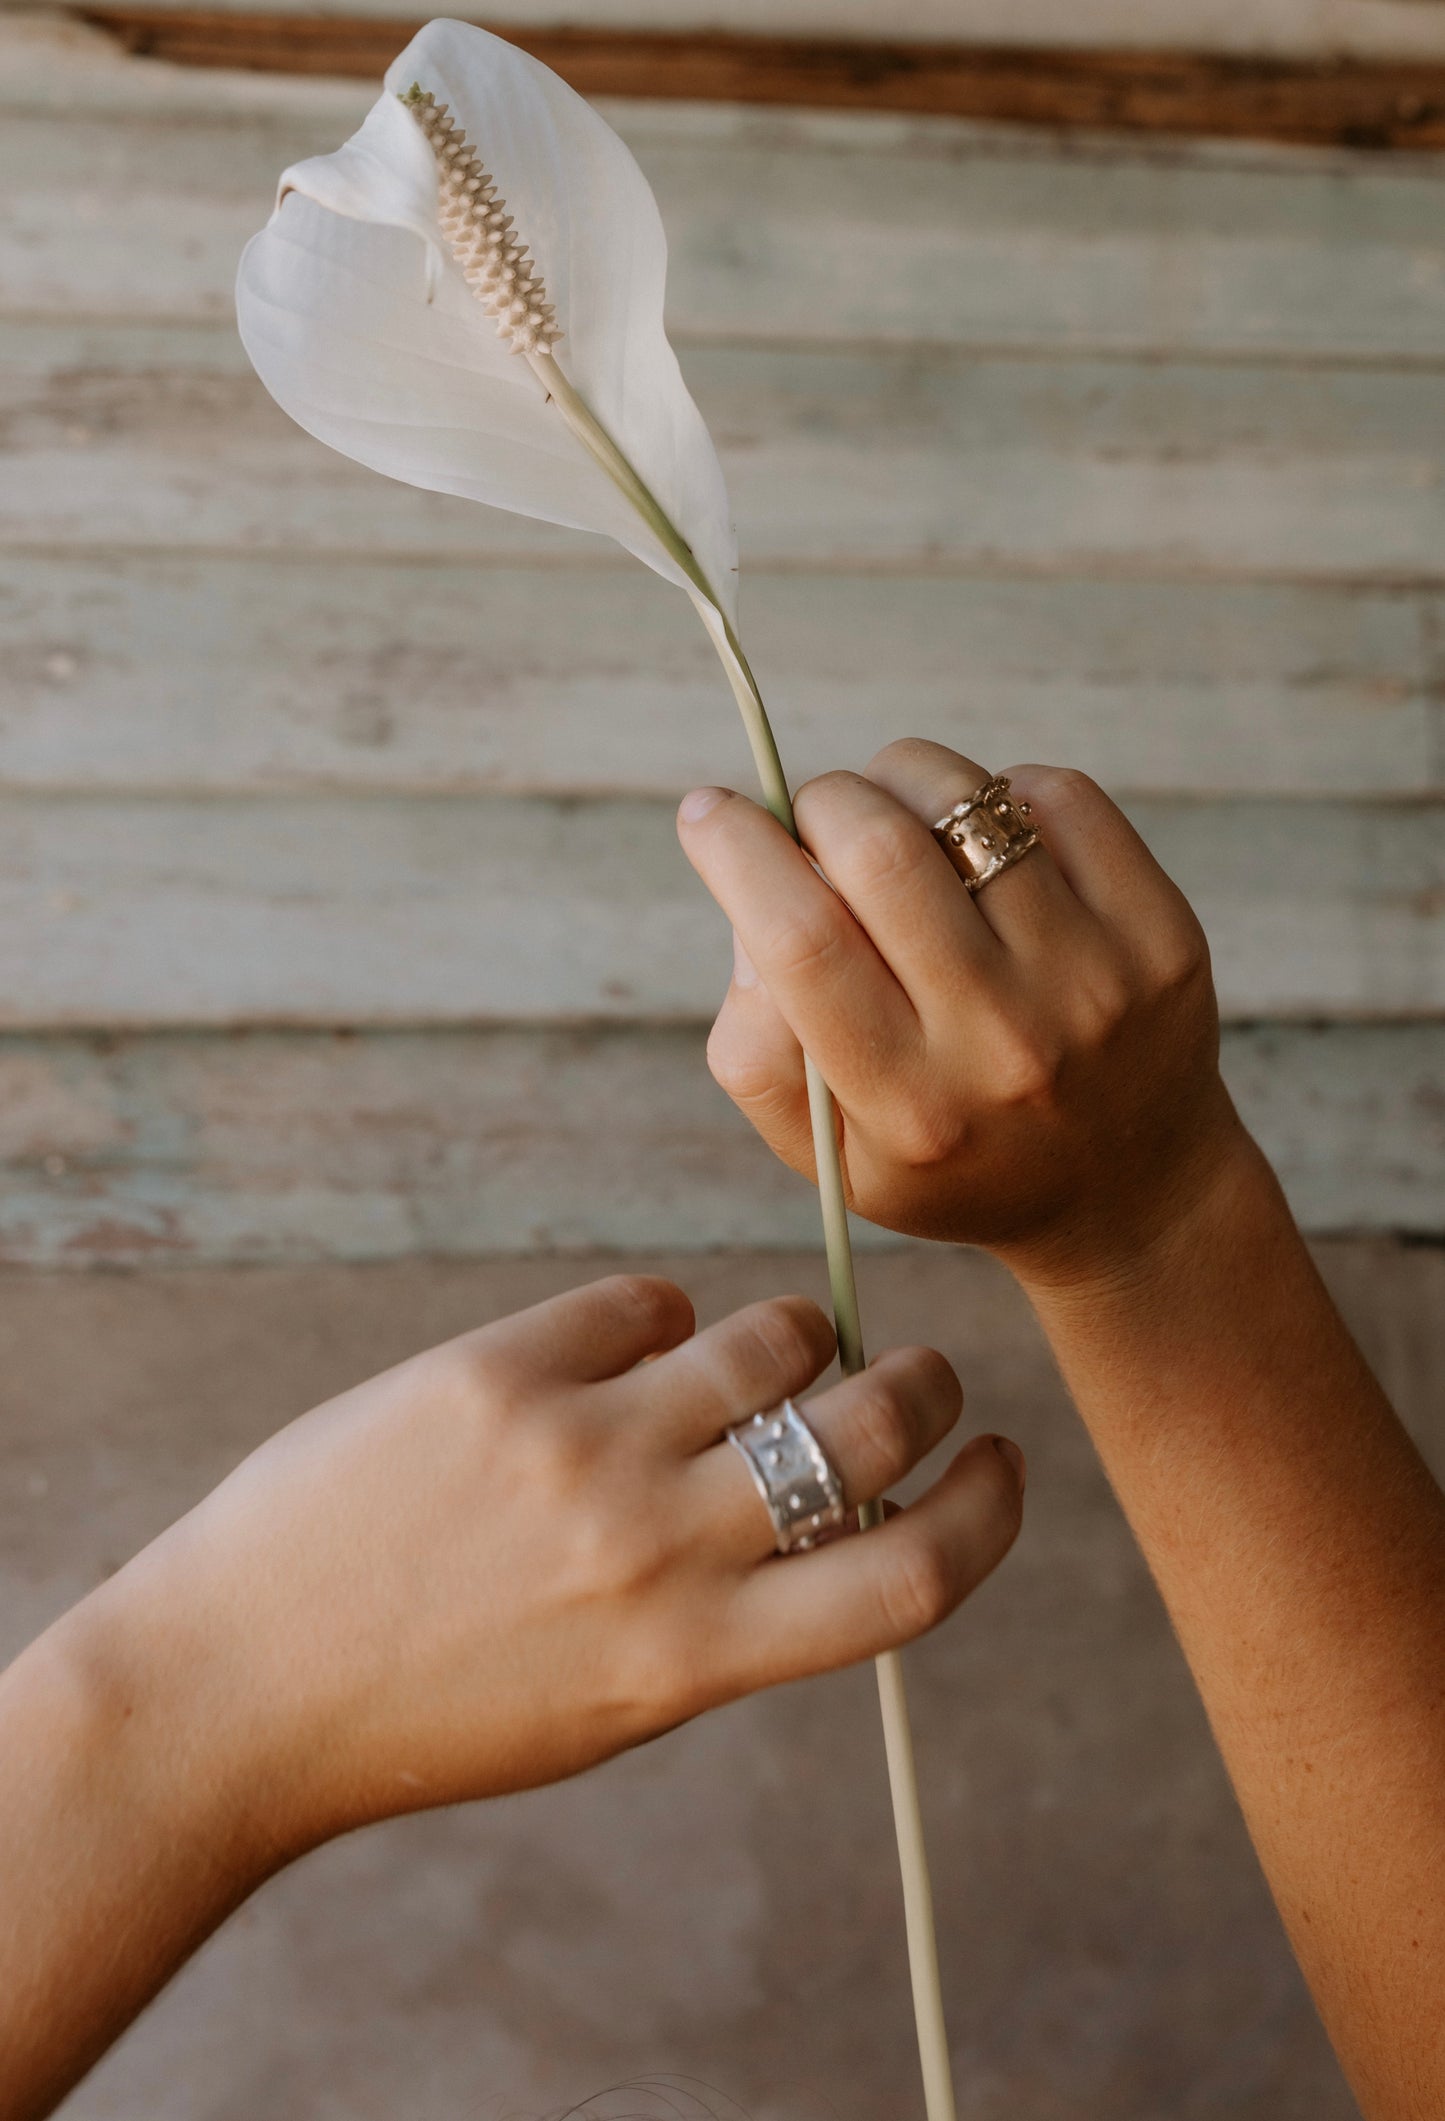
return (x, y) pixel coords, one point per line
(283, 1146)
(118, 912)
(511, 683)
(574, 559)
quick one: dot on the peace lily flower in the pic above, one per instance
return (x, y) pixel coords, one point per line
(404, 299)
(468, 296)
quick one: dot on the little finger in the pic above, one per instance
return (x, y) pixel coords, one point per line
(1111, 870)
(797, 1614)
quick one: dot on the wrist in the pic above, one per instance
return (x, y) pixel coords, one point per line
(1223, 1193)
(148, 1680)
(130, 1828)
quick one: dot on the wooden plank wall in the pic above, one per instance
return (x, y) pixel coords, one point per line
(1303, 29)
(339, 908)
(1315, 100)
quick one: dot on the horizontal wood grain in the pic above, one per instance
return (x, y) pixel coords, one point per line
(136, 673)
(970, 239)
(276, 1147)
(1267, 28)
(917, 461)
(123, 913)
(1378, 104)
(1129, 452)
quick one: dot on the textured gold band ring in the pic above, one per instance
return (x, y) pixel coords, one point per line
(990, 831)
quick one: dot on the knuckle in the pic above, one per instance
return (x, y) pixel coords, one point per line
(1182, 959)
(793, 1334)
(648, 1299)
(1061, 788)
(803, 949)
(904, 751)
(933, 1381)
(924, 1134)
(885, 1423)
(1024, 1068)
(882, 854)
(892, 754)
(623, 1560)
(471, 1369)
(818, 803)
(560, 1458)
(918, 1589)
(824, 786)
(739, 1069)
(1104, 1000)
(666, 1679)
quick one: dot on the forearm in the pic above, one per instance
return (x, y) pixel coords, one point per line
(1299, 1543)
(127, 1833)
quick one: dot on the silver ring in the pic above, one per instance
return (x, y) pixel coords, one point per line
(988, 832)
(794, 1475)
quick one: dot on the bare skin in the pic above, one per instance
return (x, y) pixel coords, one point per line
(490, 1568)
(1035, 1069)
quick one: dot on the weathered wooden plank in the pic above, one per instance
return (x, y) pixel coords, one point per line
(1390, 103)
(911, 460)
(283, 1147)
(233, 674)
(969, 239)
(1403, 28)
(328, 910)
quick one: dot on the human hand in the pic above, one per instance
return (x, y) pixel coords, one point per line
(1033, 1068)
(521, 1552)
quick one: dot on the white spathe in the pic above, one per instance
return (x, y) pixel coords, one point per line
(360, 324)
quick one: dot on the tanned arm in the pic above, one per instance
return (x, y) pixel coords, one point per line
(501, 1562)
(1034, 1068)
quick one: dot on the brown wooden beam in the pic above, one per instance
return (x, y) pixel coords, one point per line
(1358, 103)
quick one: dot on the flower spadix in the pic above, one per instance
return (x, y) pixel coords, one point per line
(405, 299)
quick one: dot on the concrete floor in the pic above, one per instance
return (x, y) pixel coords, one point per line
(722, 1906)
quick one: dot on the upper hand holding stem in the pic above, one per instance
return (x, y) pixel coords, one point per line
(1033, 1067)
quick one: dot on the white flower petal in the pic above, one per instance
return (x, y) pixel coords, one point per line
(360, 323)
(335, 318)
(385, 172)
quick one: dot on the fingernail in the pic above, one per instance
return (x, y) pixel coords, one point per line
(1014, 1459)
(698, 804)
(745, 972)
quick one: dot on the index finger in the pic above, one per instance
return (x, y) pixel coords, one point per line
(837, 995)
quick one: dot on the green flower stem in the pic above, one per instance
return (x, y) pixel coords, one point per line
(897, 1733)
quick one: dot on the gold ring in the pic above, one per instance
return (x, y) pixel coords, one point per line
(991, 831)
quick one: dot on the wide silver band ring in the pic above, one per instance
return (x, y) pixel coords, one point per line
(987, 833)
(792, 1472)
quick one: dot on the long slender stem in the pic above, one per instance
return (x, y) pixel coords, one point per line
(832, 1198)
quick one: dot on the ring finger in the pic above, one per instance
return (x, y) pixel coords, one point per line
(1028, 902)
(873, 1429)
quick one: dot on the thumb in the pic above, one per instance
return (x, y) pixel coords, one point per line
(757, 1060)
